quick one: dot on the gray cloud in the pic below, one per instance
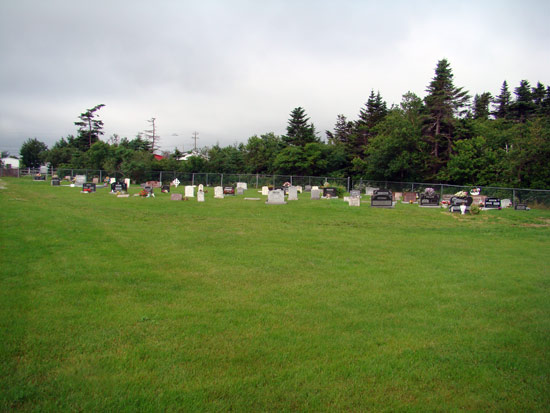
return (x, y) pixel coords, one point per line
(233, 69)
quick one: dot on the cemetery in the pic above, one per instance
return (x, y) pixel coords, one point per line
(327, 290)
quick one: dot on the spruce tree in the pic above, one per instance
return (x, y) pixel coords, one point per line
(503, 102)
(443, 102)
(299, 132)
(481, 105)
(374, 111)
(90, 128)
(523, 107)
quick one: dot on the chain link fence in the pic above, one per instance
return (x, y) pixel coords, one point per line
(533, 197)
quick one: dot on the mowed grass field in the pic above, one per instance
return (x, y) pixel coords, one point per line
(111, 304)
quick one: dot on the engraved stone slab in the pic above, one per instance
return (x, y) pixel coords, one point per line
(276, 197)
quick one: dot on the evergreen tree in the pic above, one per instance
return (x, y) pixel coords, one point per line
(481, 105)
(443, 102)
(343, 130)
(374, 112)
(299, 132)
(89, 128)
(503, 102)
(539, 93)
(523, 107)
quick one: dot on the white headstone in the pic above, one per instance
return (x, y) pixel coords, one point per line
(240, 190)
(292, 193)
(201, 187)
(354, 201)
(200, 196)
(243, 185)
(314, 187)
(505, 203)
(315, 194)
(112, 180)
(299, 188)
(127, 182)
(80, 179)
(265, 190)
(176, 182)
(218, 192)
(276, 197)
(189, 191)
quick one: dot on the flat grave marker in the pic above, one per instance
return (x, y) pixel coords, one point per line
(176, 197)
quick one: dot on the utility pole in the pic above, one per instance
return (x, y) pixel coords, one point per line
(195, 137)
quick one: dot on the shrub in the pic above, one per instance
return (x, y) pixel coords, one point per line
(475, 209)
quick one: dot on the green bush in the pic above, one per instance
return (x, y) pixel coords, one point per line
(475, 209)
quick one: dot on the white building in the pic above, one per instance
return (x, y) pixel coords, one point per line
(10, 162)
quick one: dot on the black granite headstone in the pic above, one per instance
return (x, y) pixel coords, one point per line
(521, 207)
(330, 192)
(382, 198)
(492, 203)
(88, 187)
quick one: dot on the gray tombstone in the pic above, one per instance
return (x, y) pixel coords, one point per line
(505, 203)
(292, 193)
(218, 192)
(176, 197)
(80, 179)
(315, 194)
(307, 188)
(355, 193)
(200, 196)
(276, 197)
(240, 190)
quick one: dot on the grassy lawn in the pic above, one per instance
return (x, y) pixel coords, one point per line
(149, 304)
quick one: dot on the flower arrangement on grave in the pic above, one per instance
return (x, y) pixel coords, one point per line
(429, 192)
(461, 194)
(143, 192)
(475, 191)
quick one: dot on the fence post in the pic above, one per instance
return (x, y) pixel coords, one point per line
(290, 180)
(221, 180)
(193, 178)
(256, 181)
(348, 183)
(513, 196)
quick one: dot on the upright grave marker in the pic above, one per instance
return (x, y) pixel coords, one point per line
(382, 198)
(189, 191)
(218, 192)
(292, 193)
(276, 197)
(315, 194)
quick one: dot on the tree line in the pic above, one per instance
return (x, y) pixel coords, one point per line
(447, 136)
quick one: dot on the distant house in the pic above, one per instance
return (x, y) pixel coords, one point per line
(188, 155)
(158, 157)
(10, 162)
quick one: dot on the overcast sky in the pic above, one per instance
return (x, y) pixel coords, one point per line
(232, 69)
